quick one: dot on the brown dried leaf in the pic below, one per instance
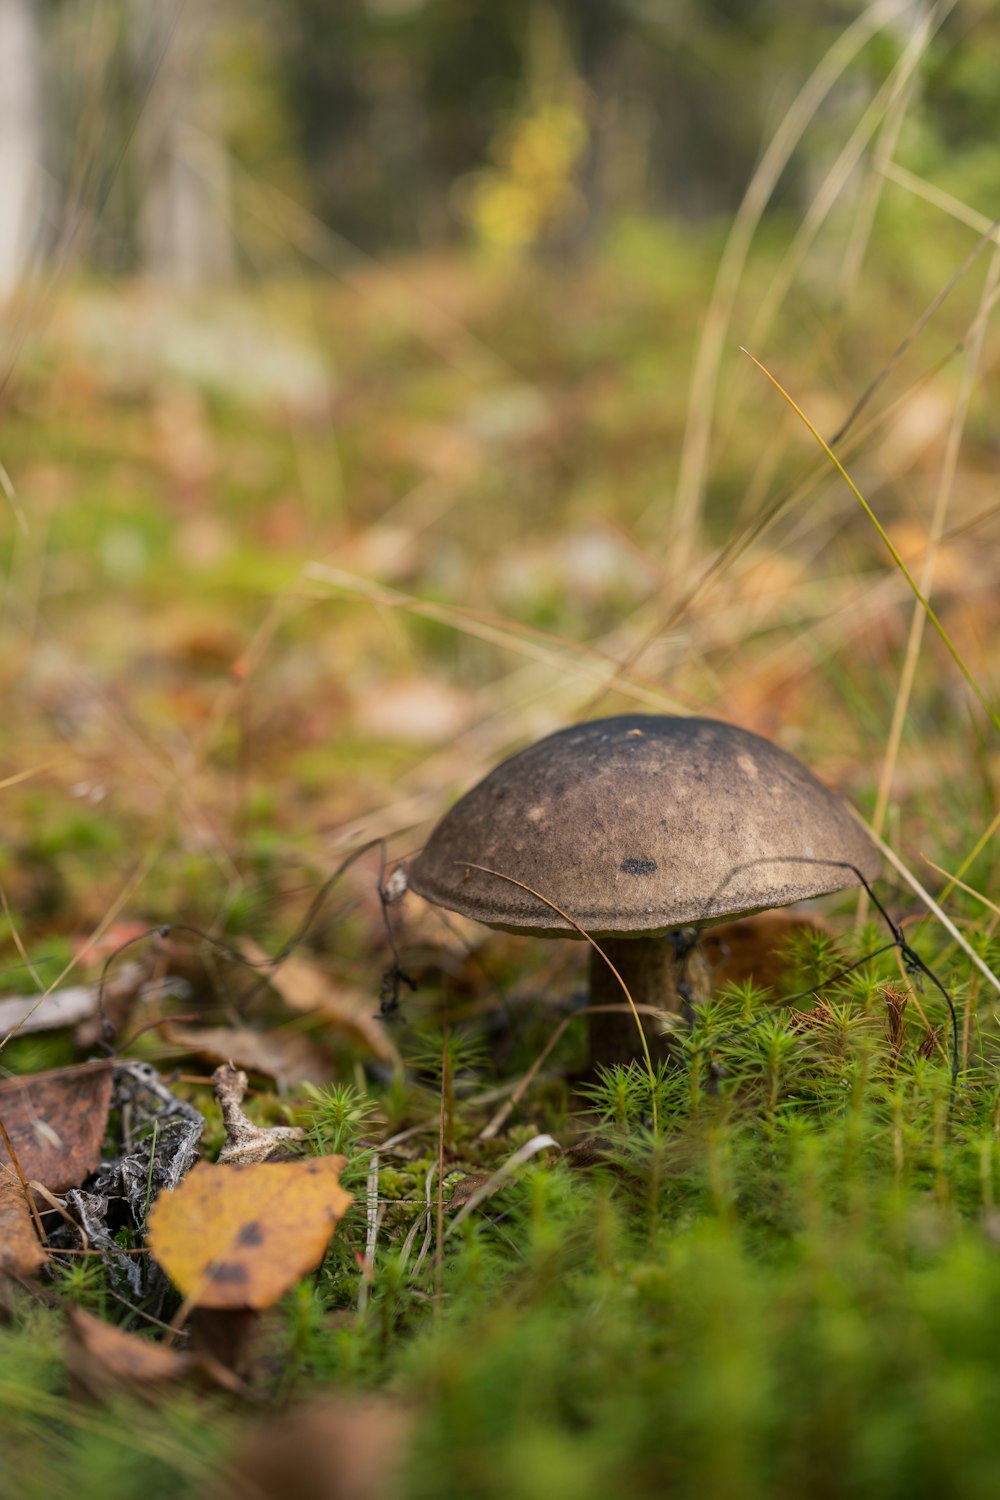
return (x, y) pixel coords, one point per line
(929, 1043)
(756, 948)
(181, 956)
(591, 1151)
(104, 1360)
(336, 1448)
(415, 710)
(165, 958)
(817, 1019)
(285, 1056)
(308, 989)
(896, 1001)
(56, 1122)
(240, 1236)
(66, 1007)
(229, 1338)
(72, 1005)
(20, 1252)
(466, 1186)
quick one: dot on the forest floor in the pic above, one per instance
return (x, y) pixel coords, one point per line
(288, 569)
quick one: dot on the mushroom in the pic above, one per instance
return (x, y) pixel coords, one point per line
(641, 828)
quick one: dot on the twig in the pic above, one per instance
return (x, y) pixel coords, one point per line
(521, 1155)
(931, 904)
(32, 1206)
(374, 1216)
(424, 1249)
(439, 1242)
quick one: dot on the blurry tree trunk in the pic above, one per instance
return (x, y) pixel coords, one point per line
(183, 170)
(21, 183)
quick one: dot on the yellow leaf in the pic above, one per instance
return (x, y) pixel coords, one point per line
(240, 1236)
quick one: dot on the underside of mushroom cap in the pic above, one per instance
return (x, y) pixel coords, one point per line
(640, 823)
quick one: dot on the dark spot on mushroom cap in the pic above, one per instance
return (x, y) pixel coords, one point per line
(250, 1234)
(637, 866)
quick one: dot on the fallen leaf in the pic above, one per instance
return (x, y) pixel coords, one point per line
(179, 955)
(412, 710)
(816, 1019)
(756, 948)
(56, 1122)
(20, 1252)
(240, 1236)
(65, 1007)
(336, 1448)
(592, 1151)
(69, 1006)
(104, 1360)
(202, 641)
(466, 1186)
(308, 989)
(917, 423)
(390, 553)
(245, 1141)
(445, 933)
(285, 1056)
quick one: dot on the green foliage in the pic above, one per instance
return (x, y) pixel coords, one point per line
(788, 1293)
(55, 1446)
(448, 1060)
(83, 1280)
(338, 1117)
(626, 1096)
(786, 1289)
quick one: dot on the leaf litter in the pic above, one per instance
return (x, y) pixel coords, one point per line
(56, 1121)
(307, 989)
(238, 1236)
(160, 1133)
(286, 1056)
(334, 1447)
(21, 1252)
(104, 1361)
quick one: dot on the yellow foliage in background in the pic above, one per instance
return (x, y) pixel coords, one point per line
(531, 192)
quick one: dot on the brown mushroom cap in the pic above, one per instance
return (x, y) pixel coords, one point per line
(638, 824)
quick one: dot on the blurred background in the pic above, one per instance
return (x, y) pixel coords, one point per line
(165, 139)
(373, 401)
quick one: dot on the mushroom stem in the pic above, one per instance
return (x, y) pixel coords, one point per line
(662, 971)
